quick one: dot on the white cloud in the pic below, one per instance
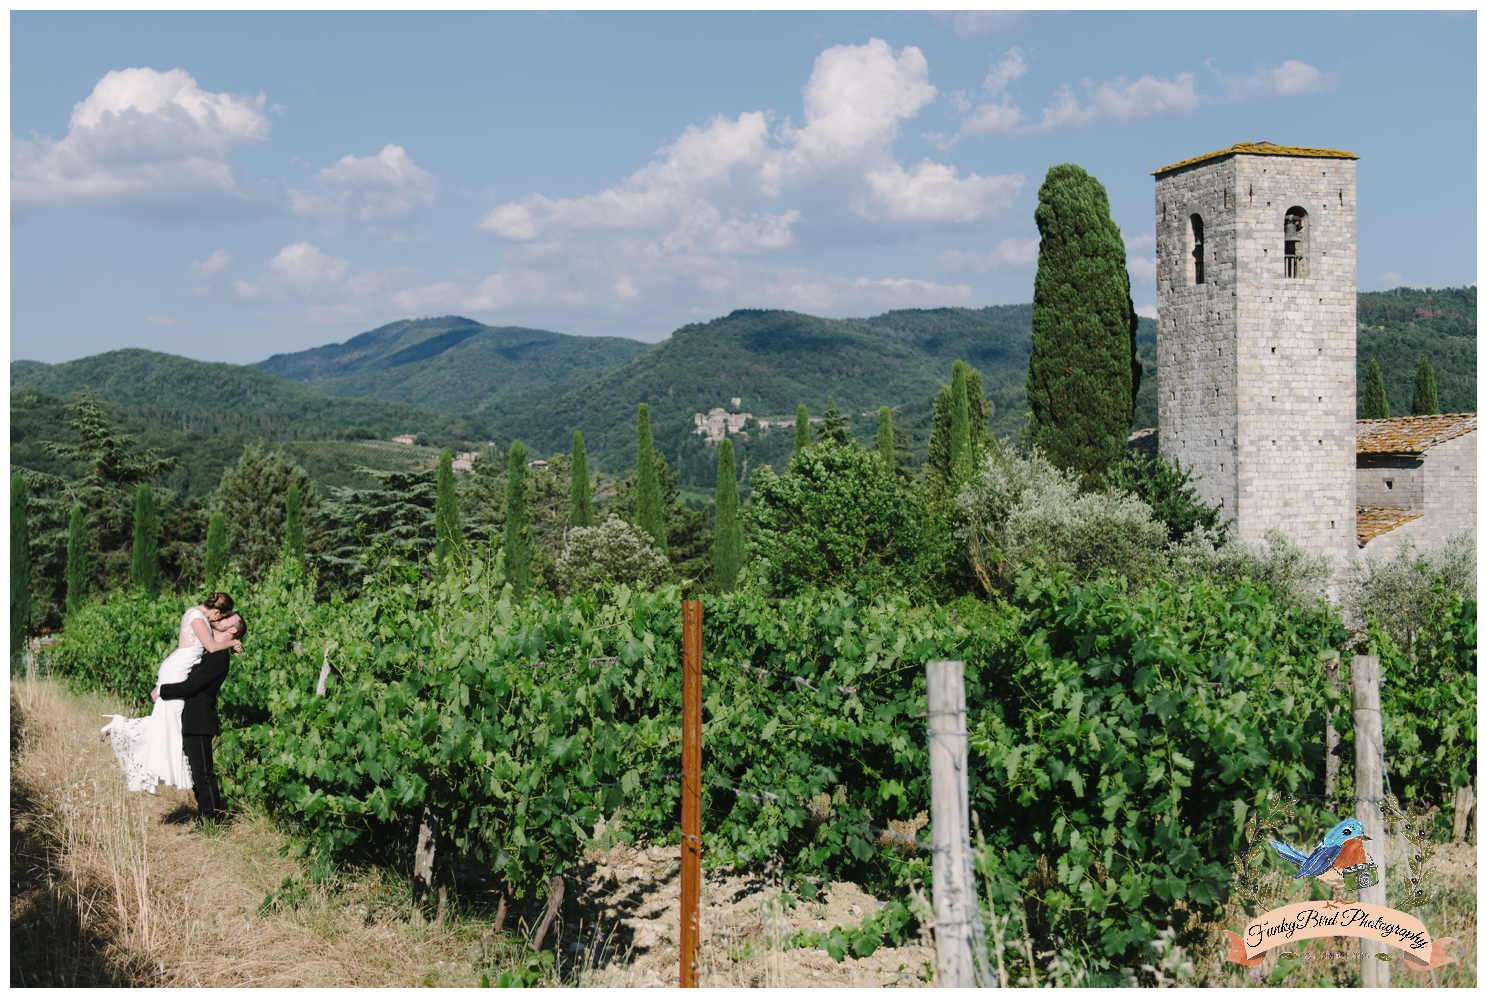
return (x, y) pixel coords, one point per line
(1119, 101)
(715, 205)
(1149, 311)
(1009, 254)
(212, 265)
(379, 194)
(144, 143)
(1008, 69)
(1389, 281)
(300, 270)
(1292, 78)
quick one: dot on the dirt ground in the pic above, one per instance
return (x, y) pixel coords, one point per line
(638, 894)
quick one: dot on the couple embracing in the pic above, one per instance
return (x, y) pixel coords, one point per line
(173, 745)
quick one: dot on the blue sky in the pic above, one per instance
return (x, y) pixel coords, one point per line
(229, 186)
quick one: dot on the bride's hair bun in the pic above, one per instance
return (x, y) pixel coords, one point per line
(218, 601)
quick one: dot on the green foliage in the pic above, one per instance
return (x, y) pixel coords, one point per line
(145, 570)
(960, 425)
(1021, 510)
(648, 515)
(728, 533)
(942, 433)
(1375, 401)
(688, 542)
(832, 519)
(1429, 700)
(253, 499)
(77, 561)
(365, 527)
(1396, 327)
(834, 424)
(449, 534)
(1167, 488)
(615, 553)
(884, 440)
(581, 513)
(1129, 732)
(802, 427)
(518, 541)
(20, 563)
(1083, 376)
(294, 525)
(892, 923)
(216, 554)
(116, 644)
(1424, 402)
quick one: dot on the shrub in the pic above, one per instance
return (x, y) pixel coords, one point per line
(1167, 488)
(834, 518)
(613, 553)
(1021, 509)
(1402, 594)
(1294, 576)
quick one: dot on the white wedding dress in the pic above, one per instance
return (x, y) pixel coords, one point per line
(149, 748)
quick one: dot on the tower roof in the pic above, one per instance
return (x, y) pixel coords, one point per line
(1259, 149)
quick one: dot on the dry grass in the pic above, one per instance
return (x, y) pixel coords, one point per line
(113, 888)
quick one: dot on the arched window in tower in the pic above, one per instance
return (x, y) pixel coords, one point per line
(1197, 222)
(1296, 229)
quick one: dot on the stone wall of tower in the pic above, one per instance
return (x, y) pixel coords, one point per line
(1197, 413)
(1262, 395)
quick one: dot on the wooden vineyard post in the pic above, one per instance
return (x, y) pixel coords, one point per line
(1368, 744)
(691, 788)
(956, 914)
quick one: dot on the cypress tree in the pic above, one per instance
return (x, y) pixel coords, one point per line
(449, 535)
(885, 437)
(580, 514)
(216, 548)
(648, 515)
(145, 571)
(939, 434)
(294, 525)
(960, 423)
(1425, 402)
(20, 564)
(77, 561)
(518, 551)
(802, 428)
(1083, 374)
(728, 537)
(1375, 401)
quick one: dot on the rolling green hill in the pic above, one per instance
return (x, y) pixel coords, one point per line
(456, 365)
(773, 360)
(177, 393)
(1396, 327)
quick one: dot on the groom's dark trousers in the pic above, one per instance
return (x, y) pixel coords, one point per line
(200, 724)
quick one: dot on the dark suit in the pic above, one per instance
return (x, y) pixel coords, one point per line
(199, 723)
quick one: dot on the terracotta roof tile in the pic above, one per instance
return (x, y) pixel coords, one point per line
(1412, 434)
(1375, 520)
(1259, 149)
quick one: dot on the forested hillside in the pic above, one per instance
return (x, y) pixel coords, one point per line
(1396, 327)
(456, 365)
(192, 396)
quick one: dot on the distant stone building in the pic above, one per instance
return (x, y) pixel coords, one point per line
(406, 438)
(1257, 337)
(1417, 479)
(463, 461)
(719, 421)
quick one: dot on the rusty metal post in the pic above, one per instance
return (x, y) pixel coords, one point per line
(691, 788)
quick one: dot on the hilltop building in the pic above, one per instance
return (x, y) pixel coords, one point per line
(1257, 337)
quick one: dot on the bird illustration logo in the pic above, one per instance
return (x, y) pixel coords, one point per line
(1340, 849)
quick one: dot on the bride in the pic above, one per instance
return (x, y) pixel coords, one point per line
(149, 748)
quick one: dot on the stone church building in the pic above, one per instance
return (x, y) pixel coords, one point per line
(1257, 360)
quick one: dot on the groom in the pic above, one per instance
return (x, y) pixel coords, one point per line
(199, 722)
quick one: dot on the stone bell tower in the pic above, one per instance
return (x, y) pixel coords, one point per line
(1257, 339)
